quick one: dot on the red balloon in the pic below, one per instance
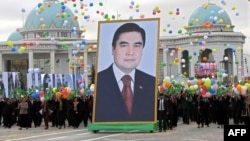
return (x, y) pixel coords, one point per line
(41, 93)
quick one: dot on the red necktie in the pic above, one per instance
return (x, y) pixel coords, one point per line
(127, 92)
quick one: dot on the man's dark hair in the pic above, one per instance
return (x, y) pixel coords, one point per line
(128, 27)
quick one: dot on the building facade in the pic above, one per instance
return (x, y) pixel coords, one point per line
(51, 41)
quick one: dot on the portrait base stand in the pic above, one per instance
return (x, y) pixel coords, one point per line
(96, 127)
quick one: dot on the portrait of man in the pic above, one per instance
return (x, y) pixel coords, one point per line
(126, 87)
(2, 89)
(10, 84)
(18, 82)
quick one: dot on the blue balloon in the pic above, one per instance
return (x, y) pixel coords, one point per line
(39, 5)
(63, 7)
(13, 49)
(91, 4)
(23, 10)
(82, 46)
(74, 52)
(83, 42)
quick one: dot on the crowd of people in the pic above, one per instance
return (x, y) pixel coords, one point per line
(217, 109)
(28, 112)
(59, 112)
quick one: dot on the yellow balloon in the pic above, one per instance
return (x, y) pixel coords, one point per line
(197, 20)
(239, 48)
(196, 40)
(54, 90)
(182, 83)
(191, 88)
(221, 21)
(207, 82)
(228, 26)
(22, 49)
(10, 44)
(164, 29)
(137, 6)
(42, 8)
(81, 58)
(233, 8)
(205, 6)
(89, 49)
(170, 12)
(43, 25)
(157, 8)
(185, 26)
(214, 50)
(84, 30)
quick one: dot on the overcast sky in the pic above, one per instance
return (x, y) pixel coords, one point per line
(14, 12)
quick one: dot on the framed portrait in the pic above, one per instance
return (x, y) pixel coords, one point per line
(126, 71)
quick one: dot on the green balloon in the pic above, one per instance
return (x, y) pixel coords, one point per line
(190, 57)
(163, 64)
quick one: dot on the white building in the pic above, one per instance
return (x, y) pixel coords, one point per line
(51, 40)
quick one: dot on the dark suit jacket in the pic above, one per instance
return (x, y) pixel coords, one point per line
(110, 107)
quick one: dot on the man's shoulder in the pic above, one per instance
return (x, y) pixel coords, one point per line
(106, 72)
(143, 74)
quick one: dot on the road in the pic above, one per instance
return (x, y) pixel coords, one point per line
(182, 132)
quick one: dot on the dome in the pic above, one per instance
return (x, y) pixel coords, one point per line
(15, 36)
(50, 15)
(209, 13)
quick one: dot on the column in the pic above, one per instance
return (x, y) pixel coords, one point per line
(164, 54)
(70, 57)
(52, 61)
(1, 62)
(31, 57)
(85, 54)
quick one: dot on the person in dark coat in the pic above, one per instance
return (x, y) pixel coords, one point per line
(162, 112)
(221, 111)
(76, 113)
(61, 111)
(2, 104)
(236, 109)
(45, 113)
(185, 106)
(204, 107)
(9, 112)
(84, 110)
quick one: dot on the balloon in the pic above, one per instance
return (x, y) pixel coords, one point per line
(238, 87)
(23, 10)
(199, 82)
(58, 94)
(10, 43)
(54, 90)
(41, 93)
(167, 84)
(207, 82)
(161, 88)
(22, 49)
(92, 87)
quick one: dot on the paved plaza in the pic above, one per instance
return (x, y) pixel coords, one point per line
(182, 132)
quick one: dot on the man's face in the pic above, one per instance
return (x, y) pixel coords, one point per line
(128, 51)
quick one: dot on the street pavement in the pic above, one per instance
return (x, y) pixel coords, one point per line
(182, 132)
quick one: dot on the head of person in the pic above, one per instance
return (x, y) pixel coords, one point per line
(161, 95)
(127, 46)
